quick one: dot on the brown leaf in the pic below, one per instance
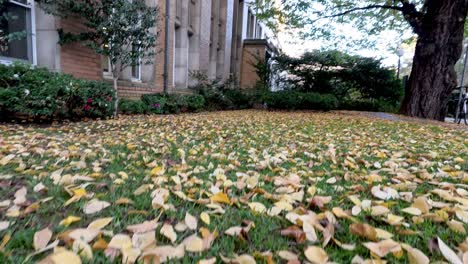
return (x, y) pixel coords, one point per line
(364, 230)
(383, 247)
(294, 232)
(143, 227)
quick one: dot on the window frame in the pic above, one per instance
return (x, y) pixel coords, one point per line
(32, 34)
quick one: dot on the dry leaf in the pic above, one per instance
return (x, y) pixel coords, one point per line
(95, 206)
(220, 198)
(316, 255)
(100, 223)
(383, 247)
(69, 220)
(415, 256)
(205, 218)
(163, 253)
(42, 238)
(364, 230)
(294, 232)
(412, 211)
(193, 244)
(143, 227)
(447, 252)
(83, 249)
(168, 231)
(85, 234)
(191, 221)
(4, 225)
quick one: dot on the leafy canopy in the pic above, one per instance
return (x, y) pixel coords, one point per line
(331, 19)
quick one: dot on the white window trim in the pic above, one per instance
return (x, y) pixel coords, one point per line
(31, 6)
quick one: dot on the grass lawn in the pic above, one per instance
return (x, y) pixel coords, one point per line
(234, 187)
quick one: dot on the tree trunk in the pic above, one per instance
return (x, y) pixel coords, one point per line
(439, 46)
(116, 103)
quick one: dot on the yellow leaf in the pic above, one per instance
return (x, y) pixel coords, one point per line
(316, 255)
(157, 171)
(95, 206)
(412, 211)
(84, 234)
(220, 198)
(69, 220)
(123, 201)
(120, 241)
(457, 226)
(65, 256)
(168, 231)
(257, 207)
(100, 244)
(100, 223)
(205, 218)
(193, 244)
(383, 234)
(82, 248)
(5, 241)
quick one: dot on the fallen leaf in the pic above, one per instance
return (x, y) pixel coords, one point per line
(168, 231)
(193, 244)
(383, 247)
(4, 225)
(316, 255)
(42, 238)
(447, 252)
(162, 254)
(294, 232)
(205, 218)
(220, 198)
(69, 220)
(83, 249)
(64, 256)
(191, 221)
(95, 206)
(363, 230)
(120, 241)
(100, 223)
(85, 234)
(257, 207)
(412, 211)
(415, 256)
(144, 240)
(143, 227)
(456, 226)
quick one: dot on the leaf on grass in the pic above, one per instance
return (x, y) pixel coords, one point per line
(162, 254)
(85, 234)
(191, 221)
(5, 160)
(287, 255)
(193, 244)
(316, 255)
(64, 256)
(456, 226)
(168, 231)
(383, 247)
(120, 241)
(447, 252)
(100, 223)
(412, 211)
(144, 240)
(83, 249)
(205, 218)
(69, 220)
(95, 206)
(220, 198)
(294, 232)
(415, 256)
(42, 238)
(364, 230)
(4, 225)
(143, 227)
(257, 207)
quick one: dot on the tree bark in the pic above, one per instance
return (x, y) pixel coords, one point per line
(439, 46)
(116, 103)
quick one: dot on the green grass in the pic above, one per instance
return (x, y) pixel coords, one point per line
(270, 145)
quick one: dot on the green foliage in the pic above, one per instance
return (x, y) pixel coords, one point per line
(369, 105)
(345, 76)
(36, 93)
(173, 103)
(133, 107)
(292, 100)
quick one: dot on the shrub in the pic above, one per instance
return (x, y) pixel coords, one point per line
(155, 103)
(133, 107)
(173, 103)
(291, 100)
(33, 93)
(370, 105)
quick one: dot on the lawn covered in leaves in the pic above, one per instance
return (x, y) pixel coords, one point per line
(234, 187)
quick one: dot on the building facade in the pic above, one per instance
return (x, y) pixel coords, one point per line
(219, 38)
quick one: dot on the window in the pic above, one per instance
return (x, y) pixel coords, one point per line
(259, 31)
(106, 66)
(136, 66)
(250, 24)
(21, 21)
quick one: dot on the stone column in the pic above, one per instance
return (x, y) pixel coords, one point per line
(181, 51)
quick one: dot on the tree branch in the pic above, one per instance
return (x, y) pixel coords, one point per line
(364, 8)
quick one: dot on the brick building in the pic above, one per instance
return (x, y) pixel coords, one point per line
(217, 37)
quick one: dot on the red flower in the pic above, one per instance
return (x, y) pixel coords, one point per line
(109, 98)
(90, 100)
(86, 107)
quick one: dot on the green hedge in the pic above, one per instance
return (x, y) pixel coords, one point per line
(33, 93)
(291, 100)
(173, 103)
